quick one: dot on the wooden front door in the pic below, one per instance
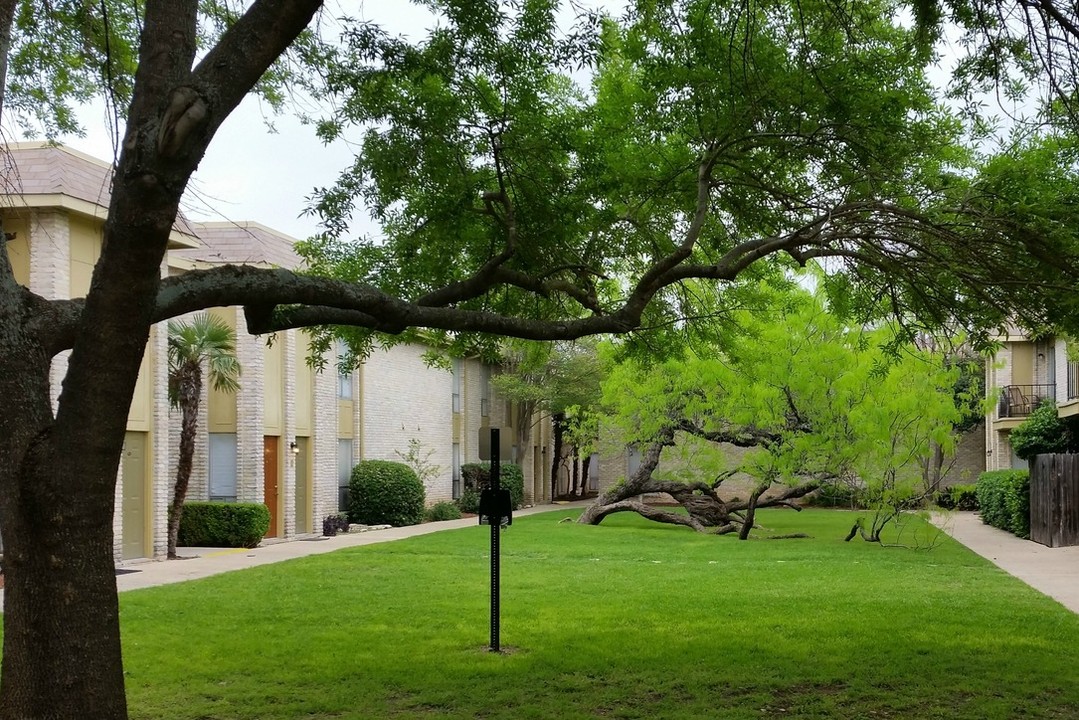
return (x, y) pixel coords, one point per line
(133, 541)
(271, 479)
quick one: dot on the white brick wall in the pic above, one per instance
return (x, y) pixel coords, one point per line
(324, 444)
(288, 475)
(50, 274)
(249, 414)
(162, 464)
(402, 399)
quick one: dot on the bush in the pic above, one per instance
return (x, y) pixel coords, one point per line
(477, 476)
(469, 502)
(223, 524)
(383, 492)
(1004, 499)
(958, 497)
(333, 524)
(443, 511)
(837, 495)
(1041, 433)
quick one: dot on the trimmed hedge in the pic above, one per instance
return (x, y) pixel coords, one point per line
(958, 497)
(1004, 498)
(477, 476)
(384, 492)
(223, 524)
(443, 511)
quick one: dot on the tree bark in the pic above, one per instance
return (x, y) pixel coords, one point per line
(707, 512)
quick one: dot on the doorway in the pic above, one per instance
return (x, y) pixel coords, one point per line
(271, 446)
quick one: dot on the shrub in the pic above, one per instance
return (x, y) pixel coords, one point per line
(223, 524)
(1042, 432)
(333, 524)
(1004, 499)
(477, 476)
(958, 497)
(383, 492)
(837, 495)
(443, 511)
(469, 502)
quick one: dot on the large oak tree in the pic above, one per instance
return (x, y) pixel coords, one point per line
(711, 141)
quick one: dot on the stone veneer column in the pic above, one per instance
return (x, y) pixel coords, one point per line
(288, 484)
(50, 275)
(249, 414)
(324, 442)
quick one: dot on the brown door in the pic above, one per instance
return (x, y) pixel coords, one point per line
(270, 479)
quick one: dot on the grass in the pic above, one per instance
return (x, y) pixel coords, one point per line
(626, 620)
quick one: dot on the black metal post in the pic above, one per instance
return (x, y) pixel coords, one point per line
(496, 531)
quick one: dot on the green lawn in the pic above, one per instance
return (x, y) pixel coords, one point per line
(626, 620)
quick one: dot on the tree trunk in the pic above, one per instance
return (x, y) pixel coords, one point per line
(189, 393)
(61, 647)
(558, 423)
(707, 512)
(586, 464)
(575, 471)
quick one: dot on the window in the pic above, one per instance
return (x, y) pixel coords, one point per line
(456, 470)
(344, 377)
(457, 385)
(485, 390)
(223, 466)
(344, 471)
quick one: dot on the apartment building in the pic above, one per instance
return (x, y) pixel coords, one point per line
(290, 435)
(1025, 372)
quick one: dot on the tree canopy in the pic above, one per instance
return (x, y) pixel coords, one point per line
(817, 401)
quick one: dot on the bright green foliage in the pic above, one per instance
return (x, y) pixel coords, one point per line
(383, 492)
(958, 497)
(223, 524)
(496, 171)
(442, 511)
(1004, 500)
(818, 400)
(1041, 433)
(511, 477)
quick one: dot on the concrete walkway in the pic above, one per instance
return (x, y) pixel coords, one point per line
(204, 562)
(1053, 571)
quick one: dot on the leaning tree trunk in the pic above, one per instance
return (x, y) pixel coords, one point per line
(189, 393)
(705, 510)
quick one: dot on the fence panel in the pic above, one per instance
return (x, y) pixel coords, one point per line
(1054, 500)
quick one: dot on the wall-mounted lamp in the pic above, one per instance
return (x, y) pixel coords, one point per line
(294, 448)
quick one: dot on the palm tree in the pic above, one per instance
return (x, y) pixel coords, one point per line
(205, 339)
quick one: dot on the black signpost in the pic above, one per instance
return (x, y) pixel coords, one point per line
(496, 510)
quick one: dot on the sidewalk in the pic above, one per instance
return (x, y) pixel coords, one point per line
(1053, 571)
(204, 562)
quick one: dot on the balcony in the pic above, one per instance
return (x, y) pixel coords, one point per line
(1020, 400)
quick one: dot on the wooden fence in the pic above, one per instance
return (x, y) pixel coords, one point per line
(1054, 500)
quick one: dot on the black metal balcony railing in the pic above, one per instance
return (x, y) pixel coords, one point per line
(1020, 400)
